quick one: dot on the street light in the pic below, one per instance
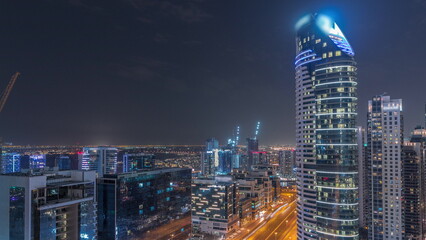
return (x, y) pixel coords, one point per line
(276, 235)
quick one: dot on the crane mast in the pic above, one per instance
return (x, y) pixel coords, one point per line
(257, 130)
(7, 90)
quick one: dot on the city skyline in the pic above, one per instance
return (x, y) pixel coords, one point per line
(141, 72)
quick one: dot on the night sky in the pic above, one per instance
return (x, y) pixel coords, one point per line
(178, 72)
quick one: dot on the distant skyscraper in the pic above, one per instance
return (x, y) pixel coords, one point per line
(51, 205)
(101, 159)
(210, 157)
(252, 146)
(133, 161)
(385, 140)
(326, 146)
(225, 161)
(413, 216)
(411, 187)
(286, 160)
(214, 206)
(37, 161)
(11, 162)
(130, 204)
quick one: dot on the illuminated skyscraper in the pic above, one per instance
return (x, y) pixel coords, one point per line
(326, 146)
(101, 159)
(210, 157)
(252, 146)
(385, 141)
(10, 162)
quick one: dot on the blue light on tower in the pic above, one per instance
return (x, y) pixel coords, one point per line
(334, 33)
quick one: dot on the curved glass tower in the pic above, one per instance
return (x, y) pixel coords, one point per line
(325, 131)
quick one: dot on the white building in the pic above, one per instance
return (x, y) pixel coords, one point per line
(385, 141)
(48, 205)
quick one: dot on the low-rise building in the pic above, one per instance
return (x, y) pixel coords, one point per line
(214, 208)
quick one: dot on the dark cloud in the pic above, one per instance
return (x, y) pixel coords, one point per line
(188, 11)
(177, 72)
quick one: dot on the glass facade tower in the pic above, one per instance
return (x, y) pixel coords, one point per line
(326, 142)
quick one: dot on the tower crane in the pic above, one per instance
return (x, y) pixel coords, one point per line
(7, 90)
(257, 130)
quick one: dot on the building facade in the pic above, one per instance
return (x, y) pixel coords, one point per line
(412, 185)
(10, 162)
(48, 206)
(326, 146)
(137, 161)
(364, 185)
(214, 207)
(131, 204)
(385, 141)
(418, 142)
(101, 159)
(210, 157)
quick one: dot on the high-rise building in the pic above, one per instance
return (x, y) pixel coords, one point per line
(418, 138)
(10, 162)
(252, 146)
(385, 141)
(286, 162)
(412, 185)
(326, 146)
(363, 184)
(101, 159)
(131, 204)
(37, 161)
(61, 161)
(214, 208)
(48, 205)
(133, 161)
(225, 161)
(210, 157)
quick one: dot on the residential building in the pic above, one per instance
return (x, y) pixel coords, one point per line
(385, 141)
(48, 205)
(326, 147)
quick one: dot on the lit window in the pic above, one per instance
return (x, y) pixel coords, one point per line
(318, 40)
(324, 55)
(338, 53)
(330, 54)
(324, 44)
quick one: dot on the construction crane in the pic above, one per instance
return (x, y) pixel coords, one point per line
(7, 90)
(237, 137)
(257, 130)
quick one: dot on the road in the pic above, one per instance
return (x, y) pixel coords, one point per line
(280, 226)
(282, 221)
(176, 229)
